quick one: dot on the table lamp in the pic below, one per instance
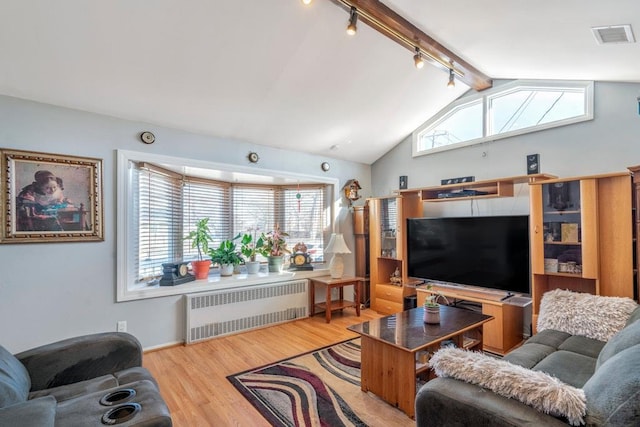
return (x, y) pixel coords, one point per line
(337, 247)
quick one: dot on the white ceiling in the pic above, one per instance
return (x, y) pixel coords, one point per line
(277, 73)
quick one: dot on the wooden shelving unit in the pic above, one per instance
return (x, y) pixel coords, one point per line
(501, 187)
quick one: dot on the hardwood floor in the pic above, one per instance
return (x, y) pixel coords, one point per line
(193, 379)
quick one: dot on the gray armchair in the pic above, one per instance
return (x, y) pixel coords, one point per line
(78, 382)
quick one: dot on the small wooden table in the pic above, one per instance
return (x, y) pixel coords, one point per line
(393, 347)
(338, 304)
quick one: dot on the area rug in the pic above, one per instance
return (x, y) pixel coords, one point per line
(321, 388)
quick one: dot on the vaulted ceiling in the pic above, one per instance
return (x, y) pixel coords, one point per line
(278, 73)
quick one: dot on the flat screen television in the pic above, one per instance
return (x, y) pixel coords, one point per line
(490, 252)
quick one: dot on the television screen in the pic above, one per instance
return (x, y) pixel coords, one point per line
(491, 252)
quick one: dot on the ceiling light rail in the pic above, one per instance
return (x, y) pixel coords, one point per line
(384, 20)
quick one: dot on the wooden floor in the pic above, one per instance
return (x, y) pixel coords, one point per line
(193, 379)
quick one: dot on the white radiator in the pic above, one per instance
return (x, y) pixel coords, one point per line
(216, 313)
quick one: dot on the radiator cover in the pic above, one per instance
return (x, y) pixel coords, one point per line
(217, 313)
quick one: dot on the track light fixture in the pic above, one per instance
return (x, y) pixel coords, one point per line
(353, 18)
(452, 81)
(417, 59)
(306, 2)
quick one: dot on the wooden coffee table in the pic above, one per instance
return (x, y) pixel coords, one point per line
(395, 349)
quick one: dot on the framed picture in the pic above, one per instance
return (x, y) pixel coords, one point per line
(50, 198)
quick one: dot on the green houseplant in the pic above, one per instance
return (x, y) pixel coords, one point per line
(432, 307)
(226, 255)
(250, 246)
(274, 247)
(200, 238)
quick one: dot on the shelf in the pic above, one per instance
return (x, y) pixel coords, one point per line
(501, 187)
(564, 243)
(561, 212)
(335, 305)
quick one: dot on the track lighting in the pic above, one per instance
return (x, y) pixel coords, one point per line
(452, 82)
(353, 18)
(417, 59)
(307, 2)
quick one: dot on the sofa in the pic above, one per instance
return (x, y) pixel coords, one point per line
(91, 380)
(582, 367)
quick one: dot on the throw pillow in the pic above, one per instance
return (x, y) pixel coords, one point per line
(591, 316)
(534, 388)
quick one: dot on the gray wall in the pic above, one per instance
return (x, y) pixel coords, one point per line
(57, 290)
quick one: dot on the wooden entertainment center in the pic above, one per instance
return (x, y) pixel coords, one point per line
(598, 237)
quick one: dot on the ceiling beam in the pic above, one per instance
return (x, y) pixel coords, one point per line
(384, 20)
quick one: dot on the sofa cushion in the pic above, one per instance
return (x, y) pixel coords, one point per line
(32, 413)
(569, 367)
(583, 345)
(14, 379)
(592, 316)
(613, 392)
(628, 337)
(635, 315)
(529, 354)
(550, 337)
(536, 389)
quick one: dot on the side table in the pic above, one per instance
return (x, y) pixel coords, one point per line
(338, 304)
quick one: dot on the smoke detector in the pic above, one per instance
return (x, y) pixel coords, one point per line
(613, 34)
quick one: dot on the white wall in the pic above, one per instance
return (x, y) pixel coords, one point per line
(57, 290)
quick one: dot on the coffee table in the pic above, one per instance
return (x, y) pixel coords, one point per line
(395, 349)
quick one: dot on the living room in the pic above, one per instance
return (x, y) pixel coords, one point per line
(52, 291)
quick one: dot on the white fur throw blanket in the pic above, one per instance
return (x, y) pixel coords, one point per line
(588, 315)
(534, 388)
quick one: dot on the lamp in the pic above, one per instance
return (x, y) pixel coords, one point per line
(353, 18)
(452, 82)
(417, 59)
(337, 247)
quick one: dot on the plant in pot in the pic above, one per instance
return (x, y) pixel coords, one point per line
(432, 307)
(200, 238)
(227, 256)
(250, 246)
(274, 247)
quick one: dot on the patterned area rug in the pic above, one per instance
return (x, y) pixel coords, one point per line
(321, 388)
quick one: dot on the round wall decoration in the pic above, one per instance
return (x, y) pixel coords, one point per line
(147, 137)
(253, 157)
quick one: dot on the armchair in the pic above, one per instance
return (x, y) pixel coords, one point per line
(80, 381)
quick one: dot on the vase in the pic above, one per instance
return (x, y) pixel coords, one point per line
(226, 269)
(432, 315)
(252, 267)
(275, 264)
(201, 268)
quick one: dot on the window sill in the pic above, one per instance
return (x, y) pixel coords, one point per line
(216, 283)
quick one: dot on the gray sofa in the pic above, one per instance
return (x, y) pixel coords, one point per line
(607, 372)
(79, 382)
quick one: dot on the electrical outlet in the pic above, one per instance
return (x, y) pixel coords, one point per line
(122, 326)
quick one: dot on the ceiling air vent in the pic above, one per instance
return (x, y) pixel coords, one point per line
(613, 34)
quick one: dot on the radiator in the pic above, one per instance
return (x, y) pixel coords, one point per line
(217, 313)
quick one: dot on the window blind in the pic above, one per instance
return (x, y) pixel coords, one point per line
(168, 205)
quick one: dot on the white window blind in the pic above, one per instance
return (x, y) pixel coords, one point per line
(206, 199)
(168, 206)
(159, 213)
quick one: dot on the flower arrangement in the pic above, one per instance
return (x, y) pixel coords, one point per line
(274, 243)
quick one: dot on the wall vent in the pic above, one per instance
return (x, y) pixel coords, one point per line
(613, 34)
(217, 313)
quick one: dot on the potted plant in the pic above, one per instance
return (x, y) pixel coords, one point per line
(431, 306)
(250, 246)
(274, 247)
(200, 238)
(227, 256)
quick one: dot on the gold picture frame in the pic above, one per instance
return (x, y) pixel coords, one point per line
(50, 198)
